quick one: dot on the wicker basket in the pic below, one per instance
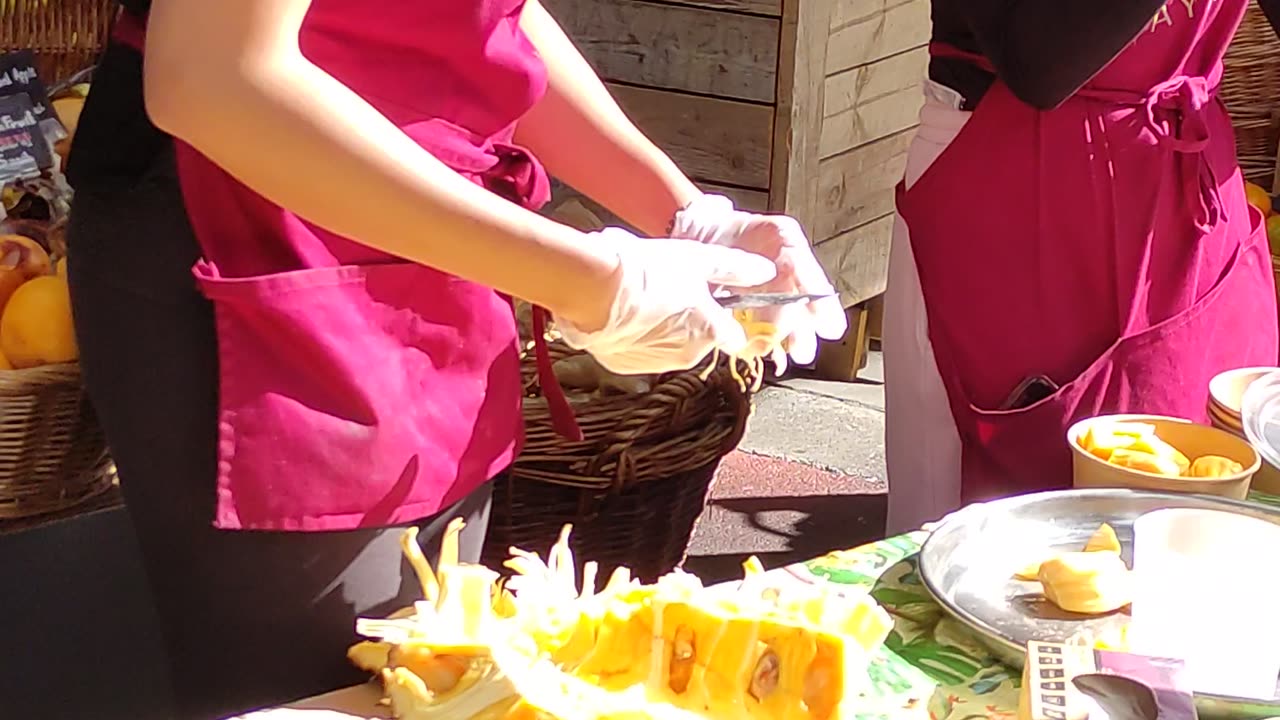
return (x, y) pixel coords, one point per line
(52, 451)
(65, 35)
(1251, 77)
(634, 487)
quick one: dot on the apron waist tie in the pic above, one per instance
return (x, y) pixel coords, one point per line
(1174, 113)
(515, 176)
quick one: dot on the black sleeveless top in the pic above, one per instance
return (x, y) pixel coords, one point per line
(1044, 50)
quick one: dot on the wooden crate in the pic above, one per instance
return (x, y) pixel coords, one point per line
(798, 106)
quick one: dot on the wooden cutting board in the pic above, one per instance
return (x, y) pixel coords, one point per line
(353, 703)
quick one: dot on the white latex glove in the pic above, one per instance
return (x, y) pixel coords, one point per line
(663, 317)
(712, 219)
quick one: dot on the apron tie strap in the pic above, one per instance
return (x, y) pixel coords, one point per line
(563, 420)
(521, 179)
(1176, 114)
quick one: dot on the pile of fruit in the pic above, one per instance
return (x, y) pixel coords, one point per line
(1261, 199)
(1136, 446)
(539, 647)
(35, 303)
(35, 306)
(1093, 581)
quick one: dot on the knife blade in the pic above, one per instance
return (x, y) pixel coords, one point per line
(759, 300)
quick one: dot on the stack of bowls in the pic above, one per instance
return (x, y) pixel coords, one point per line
(1226, 398)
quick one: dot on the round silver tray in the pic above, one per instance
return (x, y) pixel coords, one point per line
(968, 561)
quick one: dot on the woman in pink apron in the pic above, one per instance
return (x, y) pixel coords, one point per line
(1073, 240)
(292, 297)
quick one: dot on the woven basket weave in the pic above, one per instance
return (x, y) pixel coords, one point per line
(66, 35)
(52, 451)
(1251, 91)
(634, 487)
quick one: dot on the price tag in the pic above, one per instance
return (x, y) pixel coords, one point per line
(18, 76)
(23, 150)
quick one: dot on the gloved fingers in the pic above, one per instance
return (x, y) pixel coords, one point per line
(803, 346)
(725, 332)
(729, 266)
(779, 358)
(829, 319)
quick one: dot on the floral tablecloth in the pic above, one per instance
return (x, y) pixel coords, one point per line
(931, 666)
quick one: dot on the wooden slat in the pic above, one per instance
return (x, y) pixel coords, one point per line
(857, 186)
(801, 83)
(872, 101)
(871, 30)
(714, 140)
(668, 46)
(857, 261)
(752, 200)
(771, 8)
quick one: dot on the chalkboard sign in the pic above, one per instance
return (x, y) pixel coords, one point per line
(17, 76)
(23, 150)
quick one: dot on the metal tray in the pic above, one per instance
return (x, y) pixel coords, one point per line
(968, 563)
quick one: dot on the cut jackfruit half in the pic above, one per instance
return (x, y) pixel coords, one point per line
(543, 647)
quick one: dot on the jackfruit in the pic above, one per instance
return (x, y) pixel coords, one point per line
(541, 647)
(1090, 583)
(1214, 466)
(1103, 540)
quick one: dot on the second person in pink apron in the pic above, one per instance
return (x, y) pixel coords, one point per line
(296, 233)
(1072, 240)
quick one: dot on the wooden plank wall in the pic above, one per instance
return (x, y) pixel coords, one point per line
(699, 77)
(876, 57)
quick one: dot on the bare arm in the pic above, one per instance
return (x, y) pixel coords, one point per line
(583, 137)
(229, 78)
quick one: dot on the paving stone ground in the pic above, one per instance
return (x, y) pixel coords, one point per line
(808, 478)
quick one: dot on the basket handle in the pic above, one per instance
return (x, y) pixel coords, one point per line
(616, 445)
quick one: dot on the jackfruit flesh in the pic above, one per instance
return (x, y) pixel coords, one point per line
(542, 648)
(1087, 582)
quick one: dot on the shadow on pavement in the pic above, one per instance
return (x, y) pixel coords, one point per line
(781, 531)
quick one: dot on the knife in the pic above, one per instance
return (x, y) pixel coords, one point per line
(759, 300)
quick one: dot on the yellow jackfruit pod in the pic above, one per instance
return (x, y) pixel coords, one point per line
(1101, 439)
(1214, 466)
(1090, 583)
(1103, 539)
(1145, 462)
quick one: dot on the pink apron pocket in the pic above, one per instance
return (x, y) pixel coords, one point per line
(358, 396)
(1163, 369)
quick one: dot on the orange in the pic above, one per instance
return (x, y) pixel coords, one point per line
(1258, 197)
(36, 327)
(21, 259)
(4, 363)
(1273, 233)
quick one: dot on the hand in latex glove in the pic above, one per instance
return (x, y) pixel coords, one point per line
(662, 316)
(712, 219)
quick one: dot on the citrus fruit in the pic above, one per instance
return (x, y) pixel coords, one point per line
(36, 327)
(1258, 197)
(1273, 233)
(21, 259)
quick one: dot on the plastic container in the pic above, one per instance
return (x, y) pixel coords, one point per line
(1260, 416)
(1202, 595)
(1089, 471)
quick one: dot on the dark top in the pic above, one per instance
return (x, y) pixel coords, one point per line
(1044, 50)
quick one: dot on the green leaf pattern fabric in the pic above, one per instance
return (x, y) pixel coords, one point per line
(931, 667)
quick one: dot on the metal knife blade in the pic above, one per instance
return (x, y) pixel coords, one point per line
(758, 300)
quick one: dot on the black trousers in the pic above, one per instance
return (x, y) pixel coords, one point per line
(249, 618)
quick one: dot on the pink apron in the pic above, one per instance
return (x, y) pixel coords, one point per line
(357, 389)
(1105, 244)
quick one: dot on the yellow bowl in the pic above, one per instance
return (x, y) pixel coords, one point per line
(1090, 471)
(1226, 389)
